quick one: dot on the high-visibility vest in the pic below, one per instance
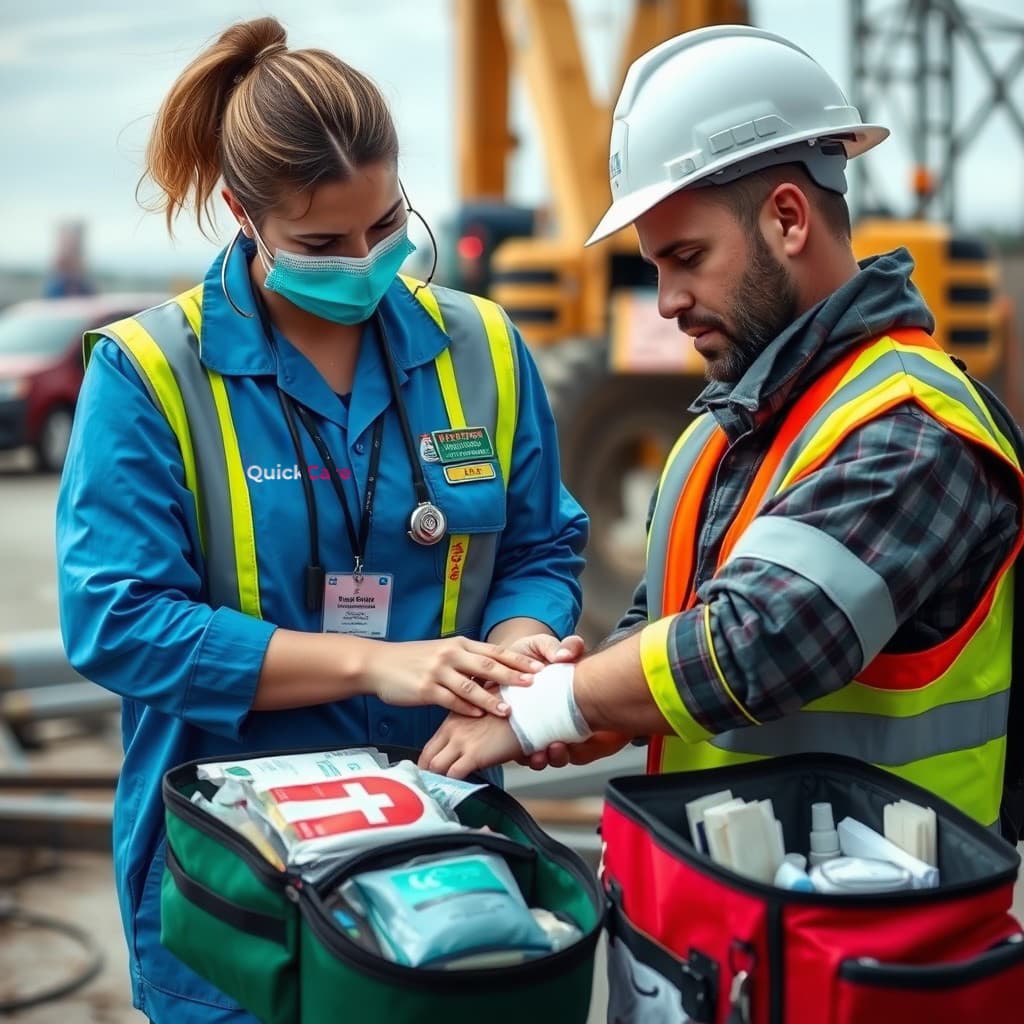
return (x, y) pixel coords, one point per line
(478, 374)
(937, 717)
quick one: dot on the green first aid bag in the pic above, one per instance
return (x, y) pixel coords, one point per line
(268, 939)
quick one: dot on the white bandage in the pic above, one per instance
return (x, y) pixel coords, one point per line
(545, 712)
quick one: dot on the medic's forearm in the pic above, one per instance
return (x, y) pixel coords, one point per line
(303, 669)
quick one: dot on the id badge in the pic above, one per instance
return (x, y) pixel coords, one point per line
(358, 605)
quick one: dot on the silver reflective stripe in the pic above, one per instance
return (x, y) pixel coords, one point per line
(889, 741)
(478, 392)
(890, 364)
(851, 585)
(665, 509)
(168, 326)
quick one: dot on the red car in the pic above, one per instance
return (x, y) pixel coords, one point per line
(41, 367)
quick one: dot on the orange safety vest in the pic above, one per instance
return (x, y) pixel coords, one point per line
(936, 717)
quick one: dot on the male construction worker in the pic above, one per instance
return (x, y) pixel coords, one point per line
(829, 548)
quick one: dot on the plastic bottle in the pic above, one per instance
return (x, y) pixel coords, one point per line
(824, 838)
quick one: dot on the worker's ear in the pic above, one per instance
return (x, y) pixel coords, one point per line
(785, 219)
(236, 211)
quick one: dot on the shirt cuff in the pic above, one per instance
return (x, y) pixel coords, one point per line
(540, 604)
(656, 659)
(225, 672)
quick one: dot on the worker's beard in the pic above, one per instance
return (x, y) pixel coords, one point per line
(766, 304)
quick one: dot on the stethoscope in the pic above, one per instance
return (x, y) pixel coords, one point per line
(427, 523)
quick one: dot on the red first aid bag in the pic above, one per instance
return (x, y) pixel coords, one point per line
(690, 940)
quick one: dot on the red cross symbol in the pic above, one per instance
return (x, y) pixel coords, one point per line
(350, 805)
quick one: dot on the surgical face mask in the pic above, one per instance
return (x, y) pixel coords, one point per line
(342, 289)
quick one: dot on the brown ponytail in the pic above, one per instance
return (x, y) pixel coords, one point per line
(267, 119)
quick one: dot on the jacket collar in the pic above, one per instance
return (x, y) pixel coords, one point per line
(234, 345)
(880, 298)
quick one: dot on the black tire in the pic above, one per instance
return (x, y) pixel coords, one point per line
(51, 446)
(611, 426)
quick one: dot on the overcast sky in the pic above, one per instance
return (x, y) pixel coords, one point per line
(80, 81)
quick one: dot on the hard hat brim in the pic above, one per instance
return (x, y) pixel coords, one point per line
(626, 210)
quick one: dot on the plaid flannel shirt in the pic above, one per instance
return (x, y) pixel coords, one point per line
(925, 510)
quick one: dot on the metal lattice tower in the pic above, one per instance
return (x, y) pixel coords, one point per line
(909, 58)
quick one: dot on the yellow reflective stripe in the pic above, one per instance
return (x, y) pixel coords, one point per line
(500, 342)
(970, 779)
(425, 297)
(982, 668)
(458, 543)
(679, 756)
(657, 668)
(718, 668)
(191, 303)
(458, 547)
(941, 362)
(678, 447)
(449, 389)
(154, 365)
(242, 528)
(672, 455)
(900, 386)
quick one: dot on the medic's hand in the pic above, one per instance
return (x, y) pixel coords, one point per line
(549, 649)
(558, 755)
(466, 745)
(451, 673)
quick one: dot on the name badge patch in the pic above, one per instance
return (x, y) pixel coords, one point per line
(469, 472)
(468, 444)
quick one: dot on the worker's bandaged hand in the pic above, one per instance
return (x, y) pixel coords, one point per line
(545, 712)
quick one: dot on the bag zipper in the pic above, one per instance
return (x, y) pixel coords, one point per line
(341, 946)
(224, 834)
(296, 890)
(227, 836)
(674, 845)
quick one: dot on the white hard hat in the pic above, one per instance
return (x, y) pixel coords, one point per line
(713, 105)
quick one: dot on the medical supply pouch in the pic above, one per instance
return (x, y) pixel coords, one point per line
(282, 944)
(432, 911)
(692, 940)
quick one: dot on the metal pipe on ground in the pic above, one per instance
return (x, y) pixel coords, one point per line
(32, 659)
(57, 822)
(64, 700)
(54, 782)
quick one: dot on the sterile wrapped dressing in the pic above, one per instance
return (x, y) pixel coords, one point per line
(366, 808)
(437, 909)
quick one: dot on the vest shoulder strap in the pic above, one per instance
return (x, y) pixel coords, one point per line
(482, 354)
(162, 344)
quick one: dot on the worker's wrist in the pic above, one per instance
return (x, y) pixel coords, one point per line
(546, 712)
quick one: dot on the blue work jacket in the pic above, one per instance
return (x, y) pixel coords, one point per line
(133, 607)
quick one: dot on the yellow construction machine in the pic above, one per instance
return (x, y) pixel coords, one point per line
(619, 377)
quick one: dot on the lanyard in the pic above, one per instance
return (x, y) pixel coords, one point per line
(427, 523)
(356, 540)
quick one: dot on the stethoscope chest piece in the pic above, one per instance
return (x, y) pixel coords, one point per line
(427, 524)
